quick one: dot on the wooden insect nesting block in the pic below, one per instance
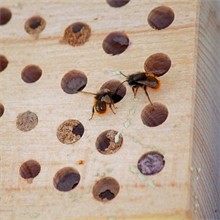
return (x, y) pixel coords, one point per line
(109, 109)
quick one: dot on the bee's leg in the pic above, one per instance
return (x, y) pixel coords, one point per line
(113, 104)
(135, 89)
(145, 89)
(110, 105)
(93, 111)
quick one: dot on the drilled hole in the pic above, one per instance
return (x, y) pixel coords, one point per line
(151, 163)
(3, 62)
(5, 16)
(109, 142)
(30, 169)
(105, 189)
(35, 25)
(115, 43)
(113, 85)
(158, 63)
(77, 34)
(66, 179)
(31, 73)
(26, 121)
(73, 81)
(2, 109)
(161, 17)
(70, 131)
(117, 3)
(154, 115)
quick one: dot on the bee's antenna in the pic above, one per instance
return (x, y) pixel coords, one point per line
(122, 74)
(87, 92)
(120, 86)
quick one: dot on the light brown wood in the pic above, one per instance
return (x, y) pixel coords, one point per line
(168, 194)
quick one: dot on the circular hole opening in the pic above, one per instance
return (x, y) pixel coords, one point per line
(3, 62)
(154, 115)
(35, 25)
(30, 169)
(151, 163)
(73, 82)
(77, 34)
(115, 43)
(117, 89)
(105, 189)
(158, 64)
(2, 109)
(66, 179)
(109, 142)
(26, 121)
(117, 3)
(31, 73)
(70, 131)
(161, 17)
(5, 16)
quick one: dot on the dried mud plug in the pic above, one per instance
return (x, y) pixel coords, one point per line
(154, 114)
(3, 62)
(158, 64)
(35, 25)
(29, 170)
(109, 142)
(66, 179)
(31, 73)
(5, 15)
(151, 163)
(161, 17)
(70, 131)
(26, 121)
(105, 189)
(77, 34)
(117, 3)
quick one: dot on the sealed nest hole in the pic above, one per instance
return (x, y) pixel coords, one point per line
(70, 131)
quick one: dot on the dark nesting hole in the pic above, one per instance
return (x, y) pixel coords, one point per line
(117, 3)
(105, 189)
(29, 169)
(3, 62)
(77, 34)
(109, 142)
(73, 81)
(70, 131)
(66, 179)
(151, 163)
(115, 43)
(154, 115)
(161, 17)
(158, 64)
(5, 16)
(2, 109)
(117, 89)
(35, 25)
(31, 73)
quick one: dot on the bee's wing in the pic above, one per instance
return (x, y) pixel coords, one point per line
(152, 84)
(107, 99)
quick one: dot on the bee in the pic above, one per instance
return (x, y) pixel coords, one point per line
(143, 80)
(102, 99)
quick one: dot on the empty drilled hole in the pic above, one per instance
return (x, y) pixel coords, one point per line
(3, 62)
(31, 73)
(77, 34)
(115, 43)
(109, 142)
(158, 63)
(73, 81)
(30, 169)
(5, 15)
(2, 109)
(161, 17)
(70, 131)
(154, 115)
(117, 3)
(117, 89)
(26, 121)
(66, 179)
(105, 189)
(151, 163)
(35, 25)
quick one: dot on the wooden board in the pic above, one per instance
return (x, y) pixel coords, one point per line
(164, 195)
